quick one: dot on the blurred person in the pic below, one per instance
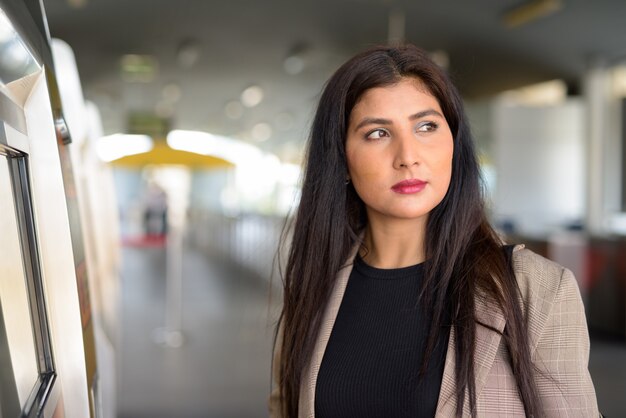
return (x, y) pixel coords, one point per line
(155, 211)
(399, 297)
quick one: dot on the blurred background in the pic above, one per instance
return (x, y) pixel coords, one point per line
(181, 129)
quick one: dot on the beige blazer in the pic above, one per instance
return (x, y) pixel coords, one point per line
(558, 338)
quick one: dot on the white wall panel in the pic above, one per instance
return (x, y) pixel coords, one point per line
(539, 165)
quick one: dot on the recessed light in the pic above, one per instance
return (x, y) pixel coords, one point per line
(140, 68)
(252, 96)
(261, 132)
(293, 65)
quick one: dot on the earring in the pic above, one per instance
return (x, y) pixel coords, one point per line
(347, 181)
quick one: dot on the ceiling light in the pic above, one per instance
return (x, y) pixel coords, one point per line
(261, 132)
(188, 53)
(296, 59)
(440, 58)
(77, 4)
(252, 96)
(530, 11)
(548, 93)
(619, 81)
(116, 146)
(294, 65)
(204, 143)
(138, 68)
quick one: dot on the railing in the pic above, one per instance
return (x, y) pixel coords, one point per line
(248, 240)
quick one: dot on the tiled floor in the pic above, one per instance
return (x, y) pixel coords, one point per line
(223, 369)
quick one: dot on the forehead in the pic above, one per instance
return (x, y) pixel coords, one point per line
(409, 91)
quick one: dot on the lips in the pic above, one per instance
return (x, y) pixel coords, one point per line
(409, 186)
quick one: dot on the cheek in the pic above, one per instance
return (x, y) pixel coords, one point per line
(362, 166)
(445, 159)
(443, 166)
(365, 174)
(438, 164)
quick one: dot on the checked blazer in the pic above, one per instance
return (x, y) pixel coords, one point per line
(558, 340)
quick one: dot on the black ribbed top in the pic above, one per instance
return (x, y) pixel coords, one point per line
(375, 352)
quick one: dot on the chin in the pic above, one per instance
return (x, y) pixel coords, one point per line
(412, 212)
(400, 212)
(407, 214)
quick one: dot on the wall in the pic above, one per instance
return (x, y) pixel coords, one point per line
(539, 163)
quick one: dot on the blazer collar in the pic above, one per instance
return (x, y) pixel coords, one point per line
(488, 314)
(487, 342)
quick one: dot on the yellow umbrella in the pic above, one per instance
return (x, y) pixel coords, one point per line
(161, 153)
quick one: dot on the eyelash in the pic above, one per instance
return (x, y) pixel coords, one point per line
(367, 135)
(432, 126)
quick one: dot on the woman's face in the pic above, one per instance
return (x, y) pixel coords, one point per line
(399, 151)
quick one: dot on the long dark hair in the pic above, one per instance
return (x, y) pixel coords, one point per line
(463, 253)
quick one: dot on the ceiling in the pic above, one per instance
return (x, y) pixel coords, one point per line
(240, 43)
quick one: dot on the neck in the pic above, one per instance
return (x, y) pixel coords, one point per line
(394, 243)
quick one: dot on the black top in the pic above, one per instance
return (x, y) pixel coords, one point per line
(375, 352)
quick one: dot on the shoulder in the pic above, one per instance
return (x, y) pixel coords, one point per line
(557, 333)
(535, 273)
(546, 288)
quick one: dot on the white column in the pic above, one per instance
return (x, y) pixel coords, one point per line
(603, 149)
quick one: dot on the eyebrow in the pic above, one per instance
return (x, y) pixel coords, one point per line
(382, 121)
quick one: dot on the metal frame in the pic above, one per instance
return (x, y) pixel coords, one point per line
(45, 393)
(28, 19)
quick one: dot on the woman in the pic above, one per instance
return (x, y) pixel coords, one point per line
(399, 297)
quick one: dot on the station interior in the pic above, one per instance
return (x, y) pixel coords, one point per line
(151, 154)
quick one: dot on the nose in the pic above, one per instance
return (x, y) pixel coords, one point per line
(407, 151)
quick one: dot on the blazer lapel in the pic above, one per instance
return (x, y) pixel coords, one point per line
(446, 404)
(488, 313)
(309, 378)
(487, 342)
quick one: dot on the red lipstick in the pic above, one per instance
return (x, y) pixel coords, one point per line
(409, 186)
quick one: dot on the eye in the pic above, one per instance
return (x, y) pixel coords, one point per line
(427, 126)
(377, 134)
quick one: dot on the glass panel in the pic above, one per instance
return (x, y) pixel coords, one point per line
(13, 293)
(17, 60)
